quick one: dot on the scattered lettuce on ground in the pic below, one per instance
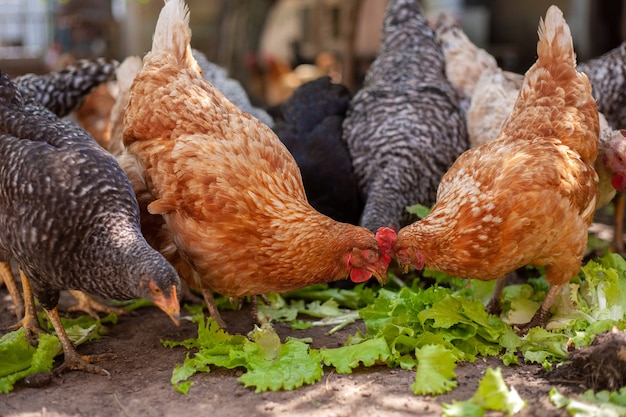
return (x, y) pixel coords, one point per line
(428, 329)
(492, 394)
(270, 364)
(18, 359)
(590, 404)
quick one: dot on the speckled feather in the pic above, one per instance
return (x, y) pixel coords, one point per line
(404, 128)
(68, 214)
(528, 197)
(607, 75)
(63, 91)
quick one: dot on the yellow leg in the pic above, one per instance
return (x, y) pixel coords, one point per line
(29, 321)
(6, 275)
(73, 361)
(91, 306)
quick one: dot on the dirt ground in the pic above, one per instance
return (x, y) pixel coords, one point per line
(139, 384)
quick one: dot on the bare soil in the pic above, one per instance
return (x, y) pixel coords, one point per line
(139, 384)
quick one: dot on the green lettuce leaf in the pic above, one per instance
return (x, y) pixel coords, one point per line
(435, 370)
(346, 358)
(590, 404)
(492, 394)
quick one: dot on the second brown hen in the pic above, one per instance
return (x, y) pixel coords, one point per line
(229, 191)
(528, 197)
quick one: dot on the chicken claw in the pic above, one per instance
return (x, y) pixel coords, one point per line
(72, 359)
(541, 316)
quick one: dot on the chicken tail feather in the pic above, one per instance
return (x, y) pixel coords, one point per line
(172, 33)
(555, 38)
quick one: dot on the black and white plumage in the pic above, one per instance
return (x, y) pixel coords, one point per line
(607, 74)
(309, 123)
(230, 87)
(68, 214)
(63, 91)
(404, 128)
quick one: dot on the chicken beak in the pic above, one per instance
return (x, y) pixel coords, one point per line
(170, 305)
(379, 272)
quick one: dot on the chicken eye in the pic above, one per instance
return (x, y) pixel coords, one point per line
(157, 291)
(370, 255)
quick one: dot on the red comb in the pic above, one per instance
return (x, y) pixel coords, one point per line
(386, 239)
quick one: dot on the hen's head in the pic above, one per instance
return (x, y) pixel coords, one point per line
(161, 286)
(365, 261)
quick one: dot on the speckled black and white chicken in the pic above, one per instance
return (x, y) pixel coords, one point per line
(404, 128)
(70, 220)
(62, 92)
(607, 74)
(309, 123)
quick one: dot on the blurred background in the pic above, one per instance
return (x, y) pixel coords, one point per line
(271, 46)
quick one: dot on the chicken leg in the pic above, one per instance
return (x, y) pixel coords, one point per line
(29, 320)
(495, 305)
(72, 359)
(541, 316)
(6, 275)
(213, 311)
(91, 306)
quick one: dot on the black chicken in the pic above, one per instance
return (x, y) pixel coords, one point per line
(404, 128)
(69, 217)
(309, 124)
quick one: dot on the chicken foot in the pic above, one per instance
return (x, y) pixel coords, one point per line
(541, 316)
(213, 311)
(29, 320)
(6, 275)
(91, 306)
(72, 359)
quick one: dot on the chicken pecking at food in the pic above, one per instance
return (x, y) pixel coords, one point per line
(69, 218)
(67, 93)
(489, 94)
(528, 197)
(404, 128)
(230, 192)
(309, 124)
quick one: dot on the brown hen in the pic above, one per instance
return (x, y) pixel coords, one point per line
(528, 197)
(229, 191)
